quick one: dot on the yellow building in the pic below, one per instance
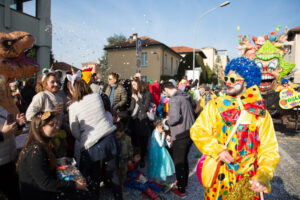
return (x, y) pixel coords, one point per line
(156, 59)
(293, 55)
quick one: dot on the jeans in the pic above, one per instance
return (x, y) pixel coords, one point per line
(180, 150)
(93, 170)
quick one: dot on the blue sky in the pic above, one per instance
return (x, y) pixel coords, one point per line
(80, 28)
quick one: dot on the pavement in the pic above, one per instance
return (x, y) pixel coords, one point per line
(285, 184)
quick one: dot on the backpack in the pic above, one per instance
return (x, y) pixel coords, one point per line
(151, 113)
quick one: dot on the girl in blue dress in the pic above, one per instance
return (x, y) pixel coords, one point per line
(160, 163)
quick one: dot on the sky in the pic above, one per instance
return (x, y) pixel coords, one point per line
(80, 28)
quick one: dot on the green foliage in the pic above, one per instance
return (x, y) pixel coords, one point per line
(52, 60)
(218, 59)
(115, 39)
(112, 40)
(204, 74)
(186, 63)
(32, 53)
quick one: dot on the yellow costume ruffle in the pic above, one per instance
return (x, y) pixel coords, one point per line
(210, 132)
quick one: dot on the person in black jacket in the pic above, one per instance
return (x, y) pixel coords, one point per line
(37, 162)
(140, 103)
(180, 120)
(27, 93)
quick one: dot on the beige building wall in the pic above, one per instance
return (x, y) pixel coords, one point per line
(210, 56)
(294, 57)
(167, 69)
(123, 61)
(224, 60)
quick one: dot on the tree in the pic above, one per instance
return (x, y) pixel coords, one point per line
(216, 68)
(186, 63)
(112, 40)
(52, 60)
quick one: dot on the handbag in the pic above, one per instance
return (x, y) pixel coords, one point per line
(208, 167)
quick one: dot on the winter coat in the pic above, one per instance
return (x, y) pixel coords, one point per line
(42, 102)
(88, 120)
(27, 93)
(37, 181)
(120, 97)
(141, 123)
(8, 150)
(181, 114)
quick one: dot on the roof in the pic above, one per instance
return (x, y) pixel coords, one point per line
(146, 41)
(63, 66)
(184, 49)
(95, 62)
(293, 31)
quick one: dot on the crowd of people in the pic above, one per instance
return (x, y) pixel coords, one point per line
(114, 130)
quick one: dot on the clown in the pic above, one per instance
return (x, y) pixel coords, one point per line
(249, 160)
(273, 67)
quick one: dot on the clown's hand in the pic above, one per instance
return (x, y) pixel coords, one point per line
(257, 186)
(225, 156)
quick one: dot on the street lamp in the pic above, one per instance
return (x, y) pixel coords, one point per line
(195, 27)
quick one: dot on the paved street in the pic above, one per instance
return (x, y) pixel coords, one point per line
(286, 182)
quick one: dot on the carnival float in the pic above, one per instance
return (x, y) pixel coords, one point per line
(281, 96)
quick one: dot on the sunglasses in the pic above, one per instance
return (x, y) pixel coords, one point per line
(110, 79)
(232, 79)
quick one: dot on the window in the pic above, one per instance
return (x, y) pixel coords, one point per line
(171, 65)
(144, 78)
(176, 67)
(144, 59)
(27, 7)
(166, 61)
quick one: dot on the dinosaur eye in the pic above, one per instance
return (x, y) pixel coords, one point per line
(8, 43)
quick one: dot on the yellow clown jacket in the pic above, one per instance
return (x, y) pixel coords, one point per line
(253, 146)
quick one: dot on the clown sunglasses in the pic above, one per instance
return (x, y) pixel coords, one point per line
(232, 79)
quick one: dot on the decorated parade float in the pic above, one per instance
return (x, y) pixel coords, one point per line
(281, 96)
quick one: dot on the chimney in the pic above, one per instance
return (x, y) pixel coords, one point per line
(134, 36)
(131, 39)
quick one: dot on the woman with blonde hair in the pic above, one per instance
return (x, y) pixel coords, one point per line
(48, 99)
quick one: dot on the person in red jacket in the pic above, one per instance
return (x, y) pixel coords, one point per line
(154, 89)
(137, 180)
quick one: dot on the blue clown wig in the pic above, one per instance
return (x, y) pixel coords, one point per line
(284, 80)
(247, 69)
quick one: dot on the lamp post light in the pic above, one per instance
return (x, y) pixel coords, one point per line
(195, 27)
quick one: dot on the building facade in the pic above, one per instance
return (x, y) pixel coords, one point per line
(294, 55)
(184, 50)
(157, 59)
(212, 55)
(32, 16)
